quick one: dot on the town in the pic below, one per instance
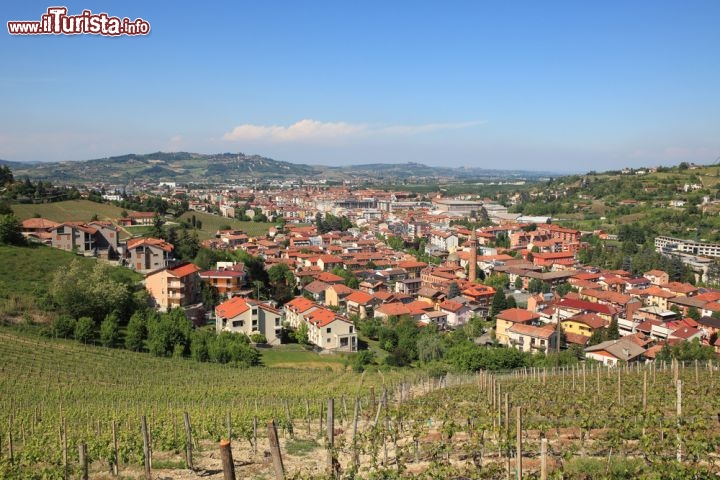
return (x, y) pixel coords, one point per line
(340, 257)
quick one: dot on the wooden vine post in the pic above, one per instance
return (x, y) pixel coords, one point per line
(188, 442)
(146, 447)
(275, 451)
(227, 460)
(518, 439)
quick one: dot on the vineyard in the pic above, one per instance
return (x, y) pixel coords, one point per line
(658, 421)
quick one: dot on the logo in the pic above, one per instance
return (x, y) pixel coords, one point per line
(57, 22)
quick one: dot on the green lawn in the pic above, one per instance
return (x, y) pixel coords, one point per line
(296, 356)
(212, 223)
(70, 210)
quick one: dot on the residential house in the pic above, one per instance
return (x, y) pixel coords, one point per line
(613, 352)
(360, 304)
(227, 281)
(457, 313)
(533, 339)
(584, 324)
(296, 309)
(246, 316)
(509, 317)
(336, 295)
(331, 332)
(657, 277)
(178, 286)
(148, 254)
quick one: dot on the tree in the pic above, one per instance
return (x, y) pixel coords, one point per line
(64, 326)
(82, 293)
(510, 302)
(694, 313)
(301, 334)
(613, 333)
(109, 331)
(453, 290)
(429, 348)
(136, 332)
(535, 285)
(84, 328)
(518, 283)
(10, 230)
(362, 359)
(499, 303)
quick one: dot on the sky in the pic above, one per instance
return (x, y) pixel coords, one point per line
(564, 86)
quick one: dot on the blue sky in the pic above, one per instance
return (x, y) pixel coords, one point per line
(555, 85)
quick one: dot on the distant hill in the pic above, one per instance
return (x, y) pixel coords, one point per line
(161, 166)
(238, 168)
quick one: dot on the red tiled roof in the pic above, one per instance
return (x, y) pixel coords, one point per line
(232, 308)
(151, 242)
(517, 315)
(184, 269)
(300, 304)
(589, 319)
(361, 298)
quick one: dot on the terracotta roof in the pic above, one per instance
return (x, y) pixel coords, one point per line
(328, 277)
(184, 269)
(586, 306)
(590, 319)
(150, 242)
(361, 298)
(232, 308)
(517, 315)
(316, 287)
(393, 309)
(38, 224)
(300, 304)
(544, 331)
(451, 306)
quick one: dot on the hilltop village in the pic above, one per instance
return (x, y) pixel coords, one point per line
(336, 257)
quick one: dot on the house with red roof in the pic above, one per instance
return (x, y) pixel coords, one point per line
(177, 286)
(532, 338)
(148, 254)
(509, 317)
(227, 281)
(240, 315)
(361, 304)
(458, 313)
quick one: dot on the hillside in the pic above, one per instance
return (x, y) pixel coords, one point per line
(160, 166)
(240, 168)
(681, 201)
(26, 274)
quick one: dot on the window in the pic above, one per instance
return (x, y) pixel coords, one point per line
(351, 329)
(328, 330)
(277, 322)
(254, 311)
(343, 342)
(239, 323)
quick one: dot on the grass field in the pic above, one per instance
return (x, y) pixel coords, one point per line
(70, 210)
(26, 274)
(212, 223)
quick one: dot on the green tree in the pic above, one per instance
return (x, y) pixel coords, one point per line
(535, 285)
(499, 303)
(109, 331)
(64, 326)
(136, 332)
(10, 230)
(510, 302)
(84, 329)
(613, 333)
(301, 334)
(453, 290)
(518, 283)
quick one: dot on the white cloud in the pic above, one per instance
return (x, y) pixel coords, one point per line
(316, 131)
